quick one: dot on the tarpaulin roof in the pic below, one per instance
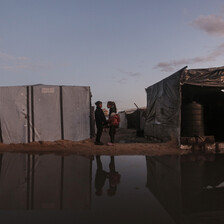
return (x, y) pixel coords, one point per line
(203, 77)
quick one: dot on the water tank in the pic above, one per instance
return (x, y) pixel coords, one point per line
(192, 120)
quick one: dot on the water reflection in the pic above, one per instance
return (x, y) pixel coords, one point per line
(190, 188)
(131, 202)
(44, 182)
(101, 175)
(203, 188)
(167, 189)
(164, 181)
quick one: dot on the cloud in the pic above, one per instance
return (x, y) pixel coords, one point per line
(212, 56)
(134, 74)
(26, 66)
(13, 63)
(211, 24)
(8, 57)
(131, 74)
(128, 76)
(122, 81)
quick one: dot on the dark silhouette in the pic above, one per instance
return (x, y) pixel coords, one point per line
(112, 111)
(102, 175)
(114, 178)
(100, 122)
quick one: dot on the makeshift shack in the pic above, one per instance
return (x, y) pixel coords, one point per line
(44, 113)
(133, 119)
(123, 119)
(185, 104)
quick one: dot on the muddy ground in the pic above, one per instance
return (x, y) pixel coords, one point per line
(126, 143)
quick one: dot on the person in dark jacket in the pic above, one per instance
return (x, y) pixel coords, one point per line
(100, 122)
(112, 110)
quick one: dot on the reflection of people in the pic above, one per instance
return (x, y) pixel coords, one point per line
(102, 175)
(114, 178)
(112, 118)
(100, 122)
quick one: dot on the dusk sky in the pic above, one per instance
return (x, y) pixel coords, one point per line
(117, 47)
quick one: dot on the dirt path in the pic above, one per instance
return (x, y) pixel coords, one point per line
(88, 148)
(126, 144)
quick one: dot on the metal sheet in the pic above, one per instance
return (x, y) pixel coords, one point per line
(13, 114)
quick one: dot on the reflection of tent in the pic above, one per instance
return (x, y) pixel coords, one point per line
(45, 182)
(202, 184)
(178, 105)
(191, 191)
(44, 113)
(164, 181)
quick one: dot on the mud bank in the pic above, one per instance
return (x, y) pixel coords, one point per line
(126, 144)
(88, 148)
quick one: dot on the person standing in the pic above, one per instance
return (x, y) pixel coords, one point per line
(100, 122)
(112, 111)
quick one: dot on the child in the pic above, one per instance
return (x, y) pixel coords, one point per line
(100, 122)
(113, 121)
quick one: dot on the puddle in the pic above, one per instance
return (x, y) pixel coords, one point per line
(104, 189)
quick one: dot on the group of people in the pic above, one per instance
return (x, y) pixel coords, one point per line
(102, 122)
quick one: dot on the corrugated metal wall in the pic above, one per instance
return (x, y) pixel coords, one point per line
(44, 113)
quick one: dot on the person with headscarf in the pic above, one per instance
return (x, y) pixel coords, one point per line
(113, 121)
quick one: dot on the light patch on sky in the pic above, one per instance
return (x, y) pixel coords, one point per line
(118, 48)
(211, 24)
(212, 56)
(17, 64)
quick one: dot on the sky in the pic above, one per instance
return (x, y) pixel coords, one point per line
(117, 47)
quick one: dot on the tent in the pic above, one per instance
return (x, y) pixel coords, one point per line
(132, 118)
(187, 103)
(44, 113)
(124, 123)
